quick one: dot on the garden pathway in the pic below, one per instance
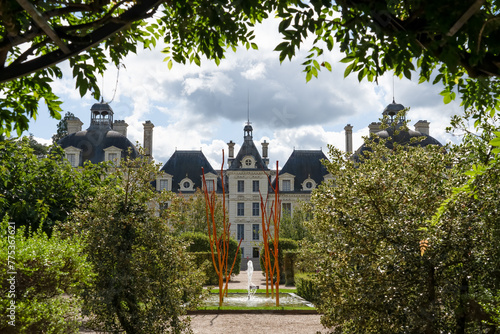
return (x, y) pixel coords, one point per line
(255, 323)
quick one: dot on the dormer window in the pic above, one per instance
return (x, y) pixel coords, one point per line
(186, 185)
(164, 182)
(248, 162)
(211, 181)
(73, 155)
(308, 184)
(113, 154)
(287, 182)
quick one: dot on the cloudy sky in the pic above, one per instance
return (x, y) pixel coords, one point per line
(205, 107)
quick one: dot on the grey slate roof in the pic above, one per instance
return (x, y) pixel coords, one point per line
(304, 164)
(402, 137)
(94, 140)
(184, 164)
(248, 148)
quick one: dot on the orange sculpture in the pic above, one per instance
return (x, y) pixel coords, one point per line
(219, 244)
(273, 219)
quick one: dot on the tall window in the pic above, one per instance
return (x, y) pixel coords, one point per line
(255, 209)
(163, 207)
(255, 231)
(287, 185)
(241, 186)
(241, 209)
(255, 186)
(72, 159)
(163, 184)
(113, 157)
(210, 185)
(286, 209)
(241, 231)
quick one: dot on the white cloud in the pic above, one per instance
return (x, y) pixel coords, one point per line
(257, 71)
(204, 107)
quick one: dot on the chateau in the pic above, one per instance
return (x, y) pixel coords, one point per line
(246, 176)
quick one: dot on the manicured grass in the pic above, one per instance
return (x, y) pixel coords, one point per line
(258, 291)
(262, 308)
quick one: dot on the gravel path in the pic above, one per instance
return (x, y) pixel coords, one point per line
(256, 324)
(253, 323)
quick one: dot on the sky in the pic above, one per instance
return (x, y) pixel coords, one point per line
(203, 108)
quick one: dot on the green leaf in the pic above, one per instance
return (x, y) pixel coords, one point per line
(281, 47)
(495, 142)
(308, 76)
(347, 59)
(348, 70)
(170, 64)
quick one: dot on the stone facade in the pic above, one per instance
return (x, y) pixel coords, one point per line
(246, 179)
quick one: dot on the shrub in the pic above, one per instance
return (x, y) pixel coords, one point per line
(283, 245)
(49, 276)
(145, 281)
(307, 287)
(203, 260)
(289, 265)
(199, 242)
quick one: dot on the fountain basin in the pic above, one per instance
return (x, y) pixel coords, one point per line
(258, 300)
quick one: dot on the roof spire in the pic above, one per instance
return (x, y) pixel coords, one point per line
(248, 107)
(248, 128)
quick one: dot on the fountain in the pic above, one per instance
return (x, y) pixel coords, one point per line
(252, 299)
(251, 287)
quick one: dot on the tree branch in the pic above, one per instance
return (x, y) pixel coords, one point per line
(137, 12)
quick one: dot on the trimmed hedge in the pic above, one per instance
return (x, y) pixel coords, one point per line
(283, 245)
(289, 266)
(199, 243)
(307, 287)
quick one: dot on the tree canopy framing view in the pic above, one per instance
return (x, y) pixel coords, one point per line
(458, 41)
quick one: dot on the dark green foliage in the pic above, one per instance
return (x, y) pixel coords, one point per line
(289, 266)
(283, 245)
(307, 287)
(203, 261)
(36, 190)
(199, 242)
(50, 275)
(62, 127)
(386, 266)
(145, 279)
(431, 37)
(294, 226)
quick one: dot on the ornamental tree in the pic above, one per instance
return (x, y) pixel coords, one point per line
(144, 280)
(38, 190)
(385, 267)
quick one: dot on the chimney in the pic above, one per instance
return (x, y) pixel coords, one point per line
(265, 151)
(148, 138)
(230, 159)
(374, 127)
(73, 125)
(348, 138)
(121, 127)
(422, 126)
